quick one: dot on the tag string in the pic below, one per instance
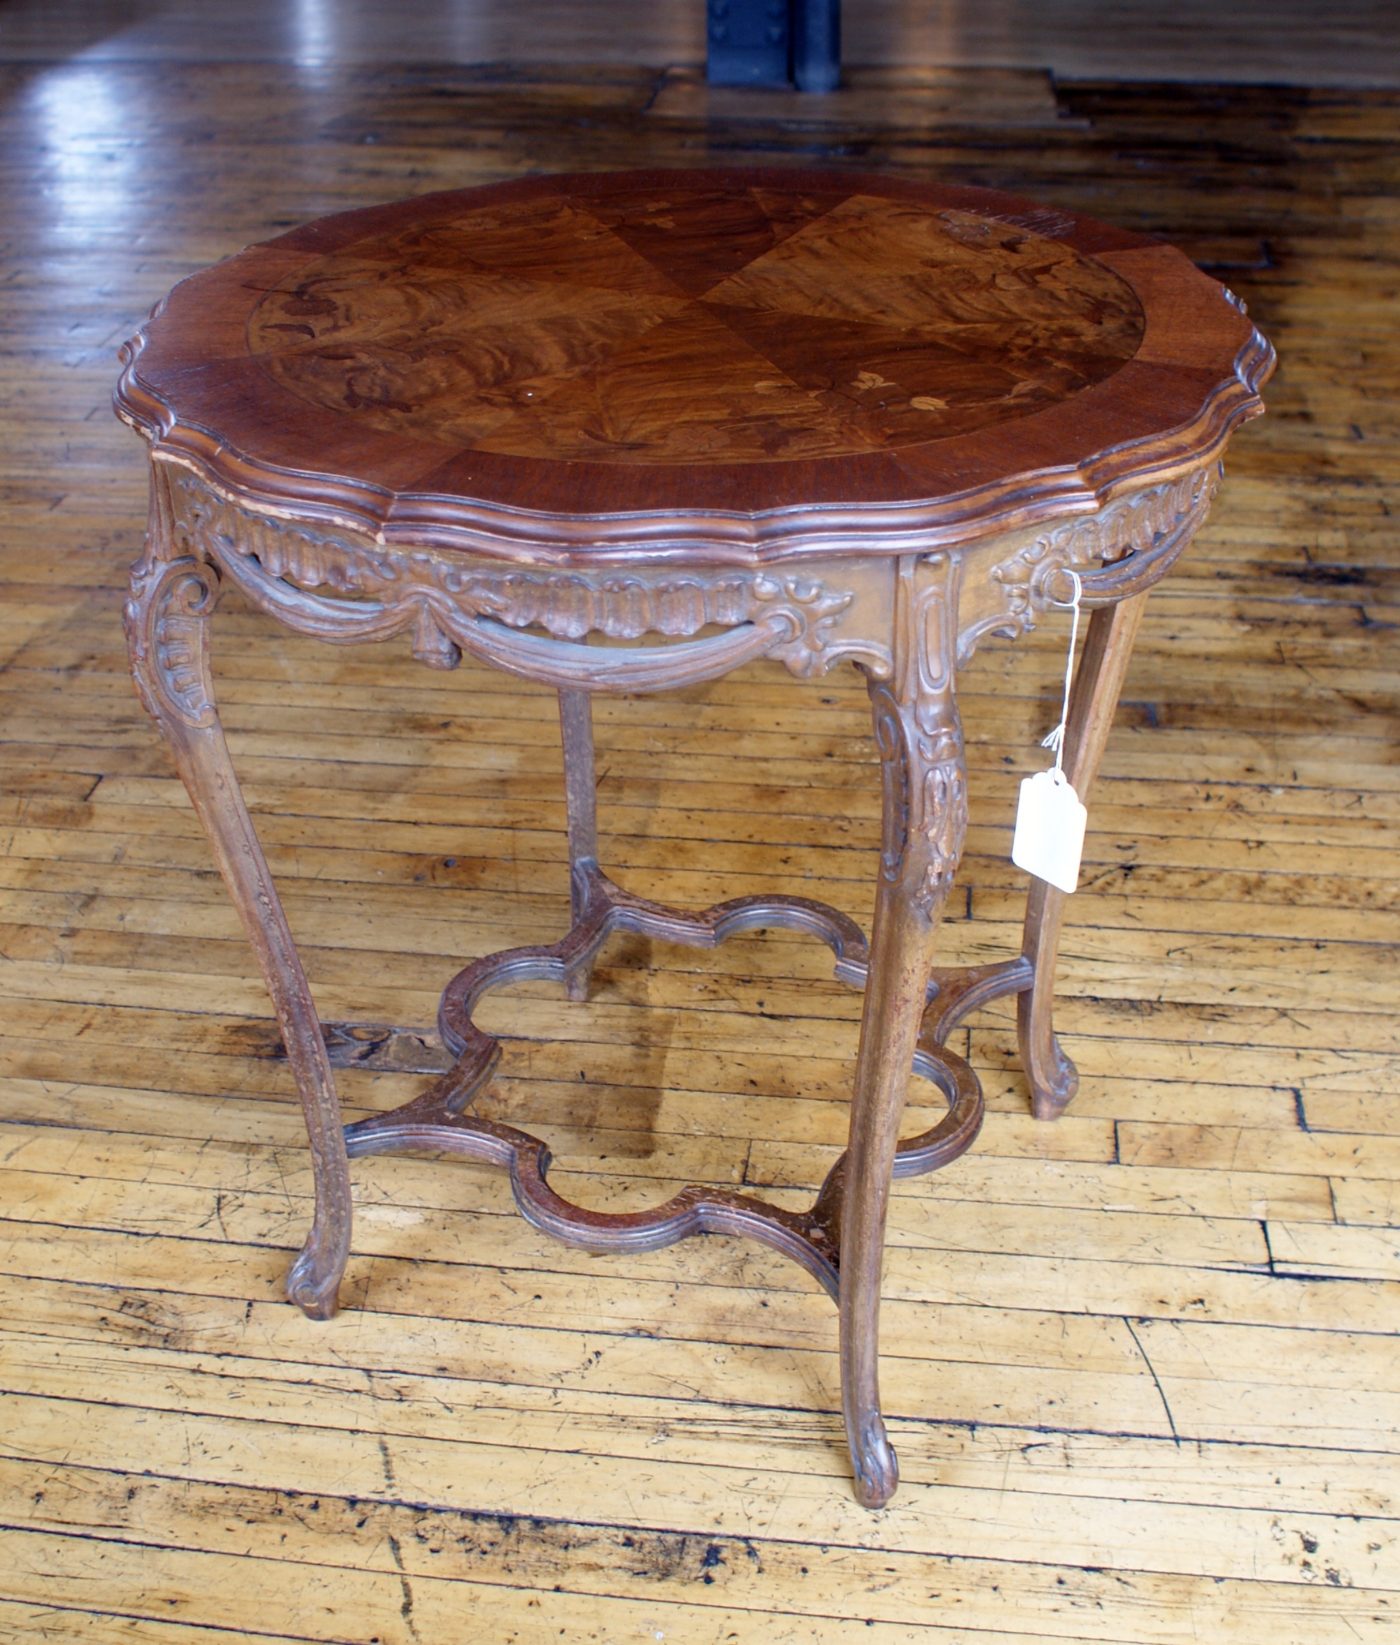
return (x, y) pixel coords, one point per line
(1056, 738)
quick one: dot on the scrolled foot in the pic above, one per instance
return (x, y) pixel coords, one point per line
(876, 1466)
(1053, 1084)
(315, 1291)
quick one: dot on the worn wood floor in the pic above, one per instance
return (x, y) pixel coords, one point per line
(1140, 1363)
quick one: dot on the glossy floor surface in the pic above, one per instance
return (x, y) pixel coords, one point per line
(1140, 1363)
(1347, 43)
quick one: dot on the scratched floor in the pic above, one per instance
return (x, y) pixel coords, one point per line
(1139, 1364)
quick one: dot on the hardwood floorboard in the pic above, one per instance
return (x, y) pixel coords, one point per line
(730, 1500)
(973, 1592)
(1140, 1364)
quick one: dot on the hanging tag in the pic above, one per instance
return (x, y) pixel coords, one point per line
(1050, 821)
(1050, 824)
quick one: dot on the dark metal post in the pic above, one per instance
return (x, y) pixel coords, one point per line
(816, 44)
(774, 43)
(749, 43)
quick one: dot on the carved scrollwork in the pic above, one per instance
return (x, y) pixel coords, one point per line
(621, 607)
(925, 800)
(1132, 542)
(919, 738)
(1134, 526)
(942, 820)
(165, 626)
(343, 589)
(815, 612)
(894, 779)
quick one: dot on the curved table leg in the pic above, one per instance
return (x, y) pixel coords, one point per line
(581, 805)
(1097, 682)
(919, 738)
(167, 621)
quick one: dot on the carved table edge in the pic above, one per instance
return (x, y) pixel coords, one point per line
(343, 586)
(699, 535)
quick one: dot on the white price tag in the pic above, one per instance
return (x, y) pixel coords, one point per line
(1050, 824)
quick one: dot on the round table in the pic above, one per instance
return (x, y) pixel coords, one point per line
(720, 415)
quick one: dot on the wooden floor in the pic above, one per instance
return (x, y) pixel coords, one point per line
(1140, 1364)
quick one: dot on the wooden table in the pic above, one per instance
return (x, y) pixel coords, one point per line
(706, 417)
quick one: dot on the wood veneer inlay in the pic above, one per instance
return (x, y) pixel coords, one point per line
(720, 326)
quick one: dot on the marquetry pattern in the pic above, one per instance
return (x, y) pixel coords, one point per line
(669, 363)
(697, 325)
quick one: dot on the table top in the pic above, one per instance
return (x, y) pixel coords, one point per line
(752, 362)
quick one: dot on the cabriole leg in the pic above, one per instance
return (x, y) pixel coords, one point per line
(581, 803)
(167, 622)
(1098, 680)
(919, 738)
